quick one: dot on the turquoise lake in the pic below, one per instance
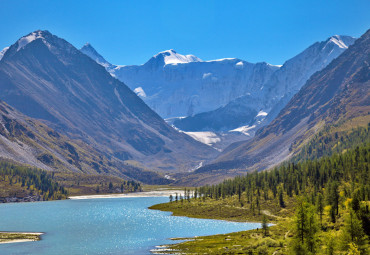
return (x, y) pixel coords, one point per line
(102, 226)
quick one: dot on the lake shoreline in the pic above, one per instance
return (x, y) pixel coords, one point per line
(118, 219)
(154, 193)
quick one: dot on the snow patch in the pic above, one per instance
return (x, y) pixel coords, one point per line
(208, 138)
(140, 92)
(196, 167)
(2, 53)
(274, 65)
(206, 75)
(244, 130)
(171, 57)
(170, 120)
(169, 177)
(261, 113)
(28, 39)
(221, 59)
(118, 96)
(336, 39)
(239, 65)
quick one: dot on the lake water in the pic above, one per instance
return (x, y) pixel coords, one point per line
(102, 226)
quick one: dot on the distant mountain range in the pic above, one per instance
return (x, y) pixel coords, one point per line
(66, 109)
(46, 78)
(337, 95)
(222, 95)
(261, 105)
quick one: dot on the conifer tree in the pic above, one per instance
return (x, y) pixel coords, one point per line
(281, 198)
(320, 207)
(265, 225)
(305, 238)
(352, 231)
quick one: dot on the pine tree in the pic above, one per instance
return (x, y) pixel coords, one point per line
(265, 225)
(320, 207)
(330, 244)
(352, 231)
(305, 227)
(281, 198)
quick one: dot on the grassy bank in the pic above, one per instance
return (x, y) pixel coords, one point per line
(319, 206)
(245, 242)
(278, 240)
(231, 209)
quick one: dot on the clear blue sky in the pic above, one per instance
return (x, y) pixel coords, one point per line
(130, 32)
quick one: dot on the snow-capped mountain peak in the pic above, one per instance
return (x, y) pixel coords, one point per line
(184, 85)
(89, 50)
(342, 41)
(39, 34)
(338, 42)
(172, 57)
(88, 46)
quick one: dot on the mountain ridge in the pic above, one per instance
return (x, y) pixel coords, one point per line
(50, 80)
(337, 94)
(238, 91)
(280, 87)
(29, 142)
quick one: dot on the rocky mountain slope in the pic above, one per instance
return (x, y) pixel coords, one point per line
(339, 94)
(27, 141)
(88, 50)
(46, 78)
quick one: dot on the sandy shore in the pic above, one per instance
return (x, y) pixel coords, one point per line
(18, 241)
(34, 236)
(155, 193)
(22, 233)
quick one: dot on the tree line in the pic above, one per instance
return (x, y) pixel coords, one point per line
(328, 141)
(125, 186)
(336, 186)
(32, 179)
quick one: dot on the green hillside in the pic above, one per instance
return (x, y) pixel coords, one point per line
(333, 139)
(320, 206)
